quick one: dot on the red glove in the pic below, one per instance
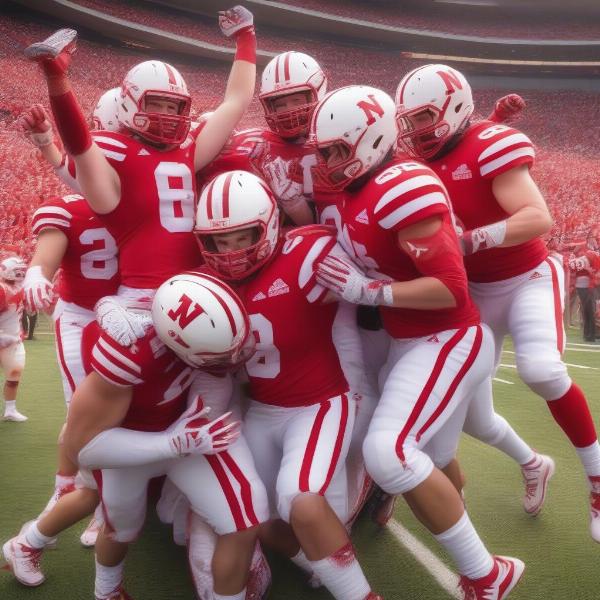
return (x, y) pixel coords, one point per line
(507, 108)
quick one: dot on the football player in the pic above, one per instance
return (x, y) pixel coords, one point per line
(135, 428)
(12, 350)
(396, 224)
(141, 182)
(300, 418)
(517, 286)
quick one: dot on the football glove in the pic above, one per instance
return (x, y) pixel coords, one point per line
(116, 317)
(235, 20)
(39, 292)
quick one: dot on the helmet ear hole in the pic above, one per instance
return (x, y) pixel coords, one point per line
(377, 142)
(458, 107)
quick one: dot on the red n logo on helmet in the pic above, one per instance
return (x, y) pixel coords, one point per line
(185, 313)
(371, 108)
(451, 81)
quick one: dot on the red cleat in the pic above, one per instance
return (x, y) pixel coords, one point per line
(498, 584)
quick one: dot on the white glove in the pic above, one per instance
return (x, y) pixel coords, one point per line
(120, 322)
(39, 292)
(194, 434)
(7, 340)
(234, 20)
(345, 279)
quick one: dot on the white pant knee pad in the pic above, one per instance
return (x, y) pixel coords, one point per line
(392, 473)
(547, 378)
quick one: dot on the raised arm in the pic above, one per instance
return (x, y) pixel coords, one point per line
(237, 23)
(99, 182)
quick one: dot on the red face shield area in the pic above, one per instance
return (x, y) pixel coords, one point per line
(289, 115)
(336, 168)
(164, 118)
(226, 362)
(422, 132)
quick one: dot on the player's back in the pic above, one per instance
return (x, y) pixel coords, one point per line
(159, 379)
(486, 151)
(296, 363)
(89, 268)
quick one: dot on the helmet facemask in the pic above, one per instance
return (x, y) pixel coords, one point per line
(290, 122)
(422, 131)
(336, 166)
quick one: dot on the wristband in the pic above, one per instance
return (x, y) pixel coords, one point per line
(246, 45)
(71, 122)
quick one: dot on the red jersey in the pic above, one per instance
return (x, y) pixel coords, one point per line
(159, 379)
(283, 164)
(296, 363)
(399, 195)
(154, 219)
(11, 308)
(485, 151)
(89, 268)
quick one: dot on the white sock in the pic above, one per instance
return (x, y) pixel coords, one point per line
(10, 406)
(466, 548)
(342, 575)
(511, 444)
(108, 579)
(63, 481)
(239, 596)
(590, 459)
(301, 561)
(35, 539)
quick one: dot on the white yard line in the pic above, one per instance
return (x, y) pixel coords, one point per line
(508, 366)
(503, 381)
(584, 350)
(584, 345)
(581, 366)
(445, 578)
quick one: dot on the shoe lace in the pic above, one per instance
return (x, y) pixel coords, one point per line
(33, 557)
(595, 502)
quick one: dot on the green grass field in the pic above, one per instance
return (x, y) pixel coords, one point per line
(563, 563)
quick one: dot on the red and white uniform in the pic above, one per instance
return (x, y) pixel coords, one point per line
(285, 165)
(12, 356)
(437, 359)
(153, 222)
(223, 489)
(519, 290)
(89, 271)
(300, 421)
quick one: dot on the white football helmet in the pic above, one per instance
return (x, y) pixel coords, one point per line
(433, 104)
(355, 124)
(13, 269)
(233, 201)
(156, 79)
(203, 321)
(104, 115)
(290, 73)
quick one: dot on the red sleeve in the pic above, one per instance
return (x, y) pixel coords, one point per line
(52, 215)
(499, 148)
(3, 299)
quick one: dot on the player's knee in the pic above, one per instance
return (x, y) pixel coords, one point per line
(396, 471)
(547, 378)
(12, 381)
(307, 510)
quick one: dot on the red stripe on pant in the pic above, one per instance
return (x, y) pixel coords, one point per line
(455, 382)
(97, 474)
(339, 442)
(429, 385)
(61, 356)
(311, 446)
(246, 488)
(557, 307)
(234, 505)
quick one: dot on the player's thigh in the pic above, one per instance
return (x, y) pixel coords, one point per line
(68, 335)
(224, 489)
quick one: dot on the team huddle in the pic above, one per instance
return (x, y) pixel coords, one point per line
(285, 323)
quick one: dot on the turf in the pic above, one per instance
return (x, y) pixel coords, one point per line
(562, 561)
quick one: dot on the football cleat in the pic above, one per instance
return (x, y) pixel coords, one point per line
(15, 416)
(373, 596)
(259, 578)
(89, 536)
(24, 561)
(62, 40)
(536, 480)
(383, 507)
(118, 594)
(595, 508)
(498, 584)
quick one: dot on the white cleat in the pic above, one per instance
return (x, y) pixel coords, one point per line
(24, 562)
(498, 584)
(536, 480)
(51, 47)
(14, 415)
(90, 535)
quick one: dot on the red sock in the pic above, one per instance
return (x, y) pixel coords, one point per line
(572, 413)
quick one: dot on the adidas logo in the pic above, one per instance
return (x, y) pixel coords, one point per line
(462, 172)
(259, 296)
(143, 152)
(362, 217)
(278, 287)
(434, 339)
(535, 275)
